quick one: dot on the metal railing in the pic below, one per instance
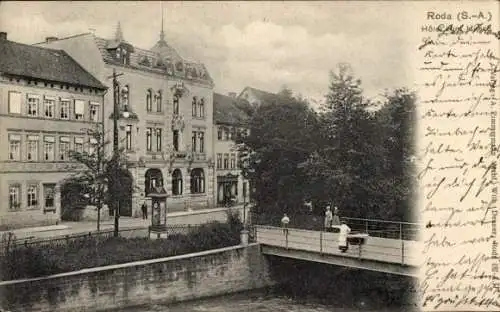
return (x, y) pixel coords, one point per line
(63, 240)
(373, 227)
(384, 228)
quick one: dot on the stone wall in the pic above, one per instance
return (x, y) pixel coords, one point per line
(172, 279)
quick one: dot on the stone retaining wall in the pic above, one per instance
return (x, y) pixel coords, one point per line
(172, 279)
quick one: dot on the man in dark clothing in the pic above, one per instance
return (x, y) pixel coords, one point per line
(144, 209)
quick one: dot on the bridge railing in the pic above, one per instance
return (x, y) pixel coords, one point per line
(384, 228)
(374, 227)
(388, 250)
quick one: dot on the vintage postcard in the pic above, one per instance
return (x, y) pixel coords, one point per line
(258, 156)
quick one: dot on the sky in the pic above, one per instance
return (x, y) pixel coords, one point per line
(266, 45)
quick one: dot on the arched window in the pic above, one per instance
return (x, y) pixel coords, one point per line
(177, 182)
(176, 105)
(194, 106)
(149, 100)
(158, 101)
(197, 181)
(201, 108)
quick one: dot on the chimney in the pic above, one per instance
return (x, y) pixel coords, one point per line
(50, 39)
(3, 35)
(232, 94)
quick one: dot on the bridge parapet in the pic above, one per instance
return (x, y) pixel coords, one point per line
(384, 250)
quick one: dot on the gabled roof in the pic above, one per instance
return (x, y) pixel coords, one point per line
(43, 63)
(263, 96)
(229, 110)
(155, 60)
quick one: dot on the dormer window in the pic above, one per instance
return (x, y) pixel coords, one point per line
(122, 55)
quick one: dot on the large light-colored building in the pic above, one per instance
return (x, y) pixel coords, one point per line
(168, 132)
(46, 101)
(229, 118)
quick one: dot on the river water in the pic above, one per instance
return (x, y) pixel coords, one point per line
(261, 301)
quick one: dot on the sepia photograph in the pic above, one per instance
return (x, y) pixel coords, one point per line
(241, 156)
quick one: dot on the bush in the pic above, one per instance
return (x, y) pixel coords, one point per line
(87, 252)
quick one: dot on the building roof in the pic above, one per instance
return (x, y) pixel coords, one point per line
(229, 110)
(263, 96)
(43, 63)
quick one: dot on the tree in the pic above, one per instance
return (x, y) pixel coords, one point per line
(397, 119)
(343, 171)
(98, 175)
(281, 138)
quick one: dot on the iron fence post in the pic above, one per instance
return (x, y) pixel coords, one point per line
(321, 242)
(402, 243)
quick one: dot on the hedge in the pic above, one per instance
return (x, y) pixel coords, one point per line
(36, 261)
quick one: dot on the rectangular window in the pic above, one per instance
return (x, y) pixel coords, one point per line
(48, 196)
(233, 161)
(148, 139)
(219, 133)
(128, 137)
(79, 110)
(32, 148)
(14, 197)
(176, 140)
(14, 147)
(49, 107)
(193, 142)
(33, 102)
(79, 145)
(226, 134)
(64, 109)
(226, 161)
(94, 111)
(63, 148)
(32, 196)
(219, 160)
(48, 148)
(14, 102)
(201, 138)
(158, 140)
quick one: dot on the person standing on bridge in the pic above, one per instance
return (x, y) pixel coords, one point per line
(328, 219)
(284, 223)
(336, 219)
(344, 232)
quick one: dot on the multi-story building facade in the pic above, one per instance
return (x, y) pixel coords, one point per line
(167, 133)
(47, 100)
(229, 119)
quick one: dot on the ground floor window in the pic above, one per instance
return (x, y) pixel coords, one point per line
(32, 196)
(177, 182)
(48, 196)
(227, 191)
(14, 197)
(197, 181)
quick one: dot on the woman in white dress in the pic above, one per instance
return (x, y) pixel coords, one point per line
(344, 231)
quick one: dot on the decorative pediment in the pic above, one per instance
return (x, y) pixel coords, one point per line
(179, 89)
